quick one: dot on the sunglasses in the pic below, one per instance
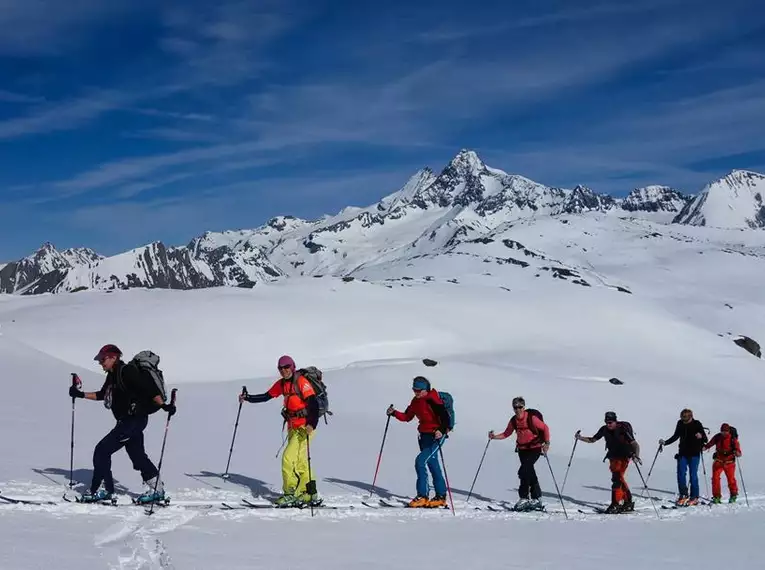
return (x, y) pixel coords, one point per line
(517, 407)
(288, 367)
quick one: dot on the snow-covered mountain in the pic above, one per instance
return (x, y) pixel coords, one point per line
(655, 199)
(735, 201)
(459, 210)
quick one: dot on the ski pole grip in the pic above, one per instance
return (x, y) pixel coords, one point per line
(172, 395)
(244, 390)
(76, 382)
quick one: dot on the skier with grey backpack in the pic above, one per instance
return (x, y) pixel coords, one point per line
(132, 391)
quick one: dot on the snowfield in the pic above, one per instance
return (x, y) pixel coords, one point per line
(496, 331)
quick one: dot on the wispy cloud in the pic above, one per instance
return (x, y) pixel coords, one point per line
(64, 115)
(12, 97)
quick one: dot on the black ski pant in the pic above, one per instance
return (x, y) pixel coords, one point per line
(128, 433)
(527, 474)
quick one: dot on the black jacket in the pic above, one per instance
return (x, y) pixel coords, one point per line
(131, 392)
(690, 445)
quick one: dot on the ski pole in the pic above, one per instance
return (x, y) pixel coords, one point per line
(659, 450)
(704, 470)
(479, 470)
(645, 486)
(311, 485)
(379, 456)
(560, 496)
(743, 485)
(77, 383)
(570, 459)
(446, 475)
(278, 451)
(236, 426)
(162, 453)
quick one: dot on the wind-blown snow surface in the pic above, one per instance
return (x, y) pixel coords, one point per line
(546, 339)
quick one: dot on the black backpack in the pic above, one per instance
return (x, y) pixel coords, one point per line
(530, 424)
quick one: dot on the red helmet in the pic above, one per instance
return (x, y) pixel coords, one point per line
(107, 350)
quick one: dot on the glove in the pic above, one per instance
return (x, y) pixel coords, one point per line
(75, 393)
(390, 410)
(661, 443)
(170, 409)
(637, 460)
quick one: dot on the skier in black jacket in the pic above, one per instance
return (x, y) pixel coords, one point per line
(131, 396)
(692, 438)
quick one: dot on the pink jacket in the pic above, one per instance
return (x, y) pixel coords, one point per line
(525, 438)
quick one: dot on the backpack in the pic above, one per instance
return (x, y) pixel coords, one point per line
(627, 436)
(530, 424)
(315, 379)
(733, 439)
(448, 401)
(147, 362)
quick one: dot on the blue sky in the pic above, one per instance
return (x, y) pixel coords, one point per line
(130, 121)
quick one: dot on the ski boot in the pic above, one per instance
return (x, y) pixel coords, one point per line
(521, 506)
(100, 496)
(535, 505)
(627, 507)
(682, 501)
(437, 502)
(419, 502)
(286, 501)
(692, 502)
(150, 495)
(613, 509)
(306, 500)
(716, 500)
(732, 498)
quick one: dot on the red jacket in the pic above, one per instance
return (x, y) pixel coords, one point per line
(724, 452)
(430, 410)
(525, 438)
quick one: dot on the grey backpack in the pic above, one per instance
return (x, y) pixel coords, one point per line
(148, 363)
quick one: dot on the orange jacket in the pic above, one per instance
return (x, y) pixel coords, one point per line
(295, 406)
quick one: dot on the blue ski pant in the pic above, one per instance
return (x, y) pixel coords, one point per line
(688, 464)
(429, 448)
(128, 433)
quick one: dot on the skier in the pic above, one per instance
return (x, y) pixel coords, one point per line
(728, 448)
(433, 418)
(692, 438)
(131, 396)
(621, 446)
(532, 440)
(301, 414)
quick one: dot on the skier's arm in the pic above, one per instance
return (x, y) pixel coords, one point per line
(592, 439)
(635, 448)
(98, 396)
(258, 398)
(675, 436)
(712, 442)
(272, 392)
(505, 434)
(406, 416)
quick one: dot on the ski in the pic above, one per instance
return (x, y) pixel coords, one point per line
(25, 501)
(270, 505)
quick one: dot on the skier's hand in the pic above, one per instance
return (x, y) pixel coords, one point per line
(578, 435)
(637, 460)
(491, 434)
(243, 397)
(438, 434)
(698, 436)
(390, 410)
(545, 447)
(75, 393)
(738, 454)
(661, 443)
(308, 429)
(170, 409)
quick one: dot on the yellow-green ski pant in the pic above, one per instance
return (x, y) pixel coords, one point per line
(295, 462)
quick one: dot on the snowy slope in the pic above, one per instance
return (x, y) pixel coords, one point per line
(735, 201)
(495, 336)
